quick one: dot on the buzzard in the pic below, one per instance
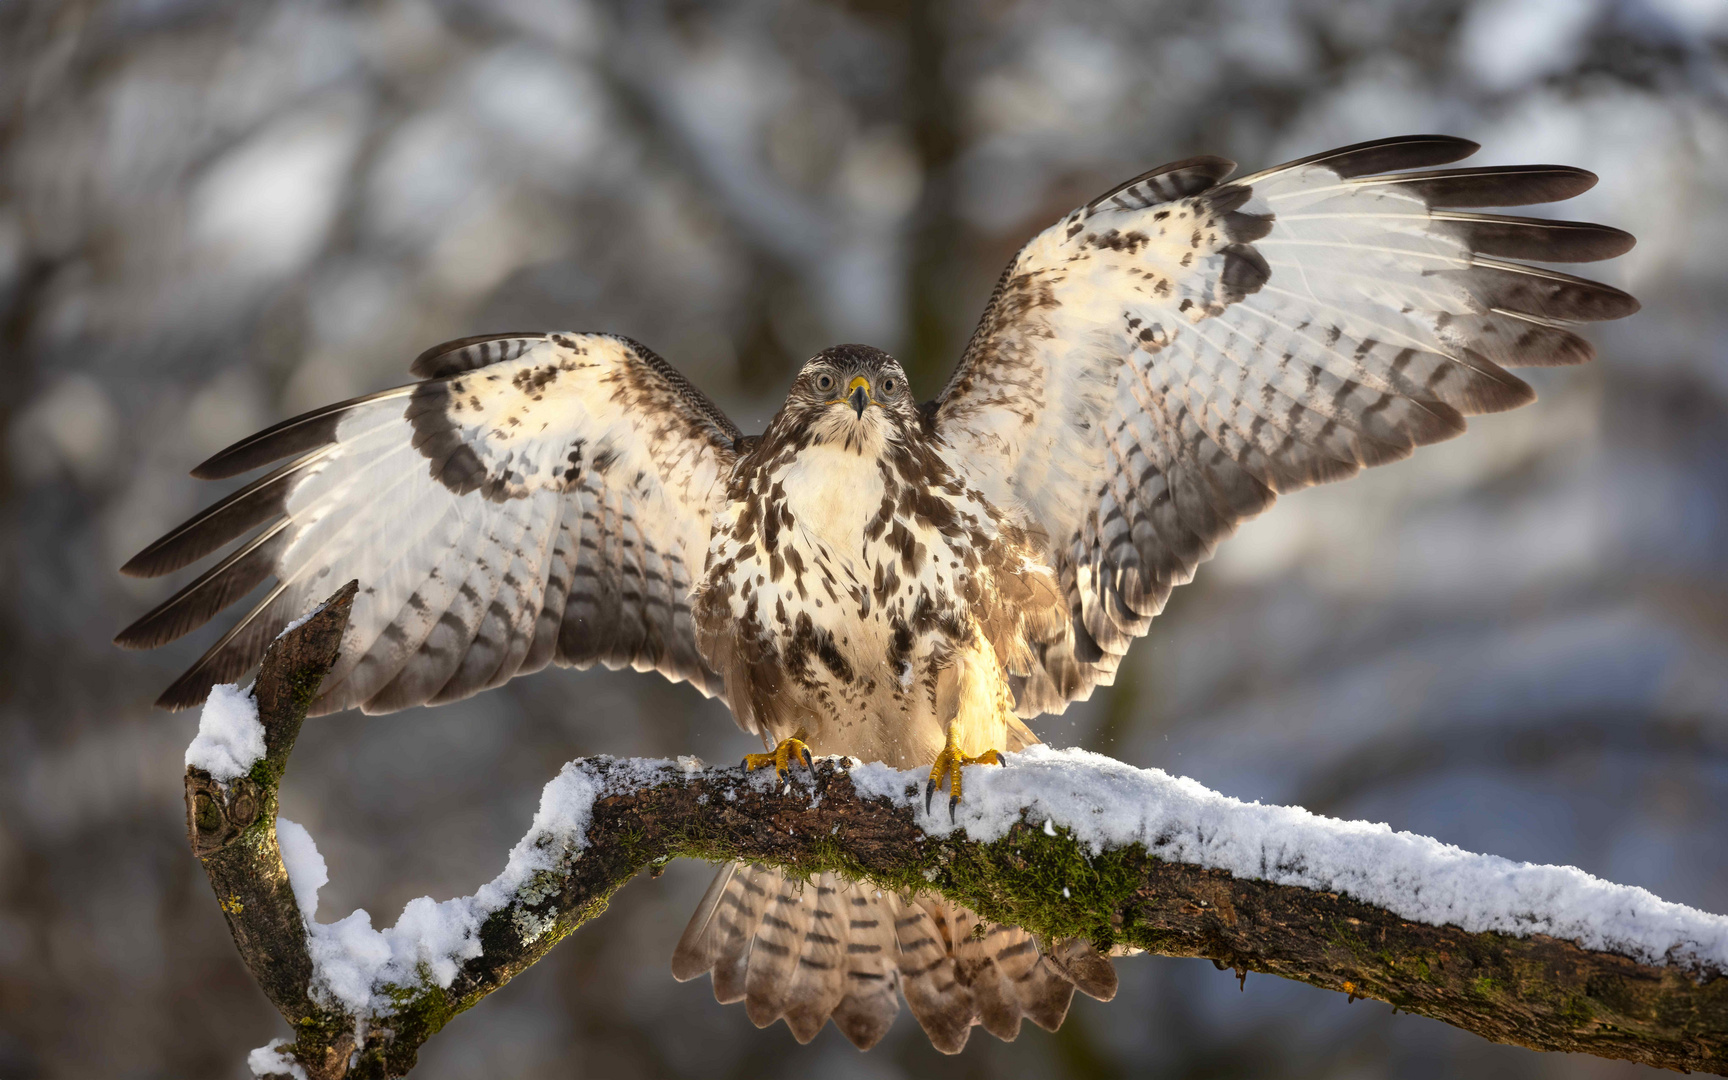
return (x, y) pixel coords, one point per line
(898, 581)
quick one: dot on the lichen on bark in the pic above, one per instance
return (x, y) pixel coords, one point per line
(1539, 992)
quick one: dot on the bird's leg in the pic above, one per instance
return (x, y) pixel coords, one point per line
(948, 762)
(790, 750)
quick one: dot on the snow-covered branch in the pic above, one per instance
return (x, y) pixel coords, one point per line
(1063, 843)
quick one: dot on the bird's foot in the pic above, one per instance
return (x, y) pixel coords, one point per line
(782, 757)
(949, 762)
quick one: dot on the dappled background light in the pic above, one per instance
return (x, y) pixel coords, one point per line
(213, 216)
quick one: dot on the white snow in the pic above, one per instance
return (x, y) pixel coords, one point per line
(269, 1060)
(298, 623)
(230, 739)
(1107, 804)
(352, 961)
(1104, 804)
(306, 870)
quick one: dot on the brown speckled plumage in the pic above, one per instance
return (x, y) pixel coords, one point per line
(1153, 369)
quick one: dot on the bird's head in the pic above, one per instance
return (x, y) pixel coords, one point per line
(853, 395)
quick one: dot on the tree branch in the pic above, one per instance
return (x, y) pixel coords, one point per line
(602, 820)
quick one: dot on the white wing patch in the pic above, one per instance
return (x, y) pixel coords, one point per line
(1163, 362)
(547, 499)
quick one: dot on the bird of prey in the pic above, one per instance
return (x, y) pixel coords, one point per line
(890, 580)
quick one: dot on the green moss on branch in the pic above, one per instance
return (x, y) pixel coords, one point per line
(1537, 992)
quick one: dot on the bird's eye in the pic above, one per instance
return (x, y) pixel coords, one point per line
(888, 385)
(825, 382)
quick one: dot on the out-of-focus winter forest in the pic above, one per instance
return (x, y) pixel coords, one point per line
(215, 215)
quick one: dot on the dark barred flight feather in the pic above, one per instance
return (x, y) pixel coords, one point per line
(231, 518)
(1177, 180)
(1502, 185)
(307, 431)
(1366, 322)
(1540, 239)
(466, 354)
(587, 560)
(886, 578)
(1384, 155)
(243, 570)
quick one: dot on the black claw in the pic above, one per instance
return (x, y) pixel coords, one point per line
(808, 763)
(929, 793)
(953, 801)
(744, 764)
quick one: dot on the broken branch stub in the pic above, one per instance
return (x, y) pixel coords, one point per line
(232, 826)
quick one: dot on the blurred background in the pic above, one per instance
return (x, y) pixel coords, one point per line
(215, 215)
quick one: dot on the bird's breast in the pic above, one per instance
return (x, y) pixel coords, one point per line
(824, 540)
(827, 497)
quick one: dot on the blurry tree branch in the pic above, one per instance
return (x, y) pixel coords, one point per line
(1539, 992)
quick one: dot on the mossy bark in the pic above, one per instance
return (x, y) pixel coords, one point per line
(232, 830)
(1538, 992)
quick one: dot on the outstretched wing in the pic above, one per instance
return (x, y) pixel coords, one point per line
(538, 497)
(1164, 361)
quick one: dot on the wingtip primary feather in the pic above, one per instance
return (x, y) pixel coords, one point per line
(239, 650)
(1537, 239)
(141, 565)
(1380, 313)
(1490, 185)
(293, 436)
(174, 699)
(1381, 155)
(227, 520)
(202, 600)
(193, 686)
(1548, 294)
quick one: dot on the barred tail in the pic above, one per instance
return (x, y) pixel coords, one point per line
(846, 951)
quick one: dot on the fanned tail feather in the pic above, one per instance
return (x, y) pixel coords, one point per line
(808, 952)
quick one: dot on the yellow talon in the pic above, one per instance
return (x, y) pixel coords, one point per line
(948, 762)
(783, 756)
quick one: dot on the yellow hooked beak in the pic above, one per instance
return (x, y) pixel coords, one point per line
(858, 394)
